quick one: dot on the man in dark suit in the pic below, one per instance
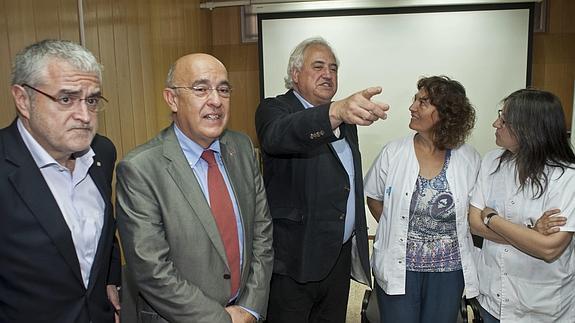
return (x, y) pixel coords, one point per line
(197, 249)
(312, 174)
(59, 259)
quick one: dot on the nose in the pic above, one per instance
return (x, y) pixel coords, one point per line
(82, 113)
(412, 107)
(214, 98)
(497, 123)
(328, 73)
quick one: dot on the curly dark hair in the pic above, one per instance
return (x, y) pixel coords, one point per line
(456, 114)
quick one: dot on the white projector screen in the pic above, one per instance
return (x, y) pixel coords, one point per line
(486, 48)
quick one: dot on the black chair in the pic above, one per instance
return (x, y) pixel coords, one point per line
(369, 308)
(473, 305)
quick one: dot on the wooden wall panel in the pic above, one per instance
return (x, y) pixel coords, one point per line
(22, 23)
(554, 54)
(7, 112)
(136, 42)
(242, 63)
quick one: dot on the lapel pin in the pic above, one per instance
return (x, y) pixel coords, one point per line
(98, 164)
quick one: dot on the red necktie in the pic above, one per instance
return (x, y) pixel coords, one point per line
(223, 211)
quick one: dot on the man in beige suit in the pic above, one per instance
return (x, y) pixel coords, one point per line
(180, 260)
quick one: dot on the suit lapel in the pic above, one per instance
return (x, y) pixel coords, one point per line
(183, 175)
(230, 157)
(34, 191)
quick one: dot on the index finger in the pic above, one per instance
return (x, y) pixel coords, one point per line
(371, 91)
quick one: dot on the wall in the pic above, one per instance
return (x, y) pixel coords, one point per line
(22, 22)
(136, 41)
(242, 63)
(554, 54)
(553, 58)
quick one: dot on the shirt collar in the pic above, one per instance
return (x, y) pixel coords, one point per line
(191, 149)
(303, 101)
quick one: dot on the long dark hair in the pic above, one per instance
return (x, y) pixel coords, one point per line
(537, 121)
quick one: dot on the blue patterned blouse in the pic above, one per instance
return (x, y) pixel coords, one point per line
(432, 238)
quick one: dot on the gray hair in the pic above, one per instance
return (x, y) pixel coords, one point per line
(30, 63)
(170, 77)
(296, 58)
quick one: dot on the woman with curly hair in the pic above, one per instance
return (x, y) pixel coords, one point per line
(527, 275)
(418, 190)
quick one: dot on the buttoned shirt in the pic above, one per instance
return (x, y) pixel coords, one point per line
(514, 286)
(343, 151)
(391, 179)
(77, 196)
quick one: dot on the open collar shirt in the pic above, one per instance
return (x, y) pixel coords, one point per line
(77, 196)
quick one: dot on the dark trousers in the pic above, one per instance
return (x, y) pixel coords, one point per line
(429, 298)
(312, 302)
(487, 317)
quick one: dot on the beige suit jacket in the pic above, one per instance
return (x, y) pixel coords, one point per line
(175, 259)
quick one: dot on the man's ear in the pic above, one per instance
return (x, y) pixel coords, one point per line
(171, 99)
(21, 100)
(295, 75)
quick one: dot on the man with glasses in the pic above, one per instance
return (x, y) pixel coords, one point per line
(60, 260)
(192, 211)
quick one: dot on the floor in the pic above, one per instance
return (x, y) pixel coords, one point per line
(356, 292)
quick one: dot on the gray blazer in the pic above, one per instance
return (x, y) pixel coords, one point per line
(175, 259)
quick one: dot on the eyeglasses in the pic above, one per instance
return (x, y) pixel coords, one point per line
(203, 91)
(94, 103)
(500, 116)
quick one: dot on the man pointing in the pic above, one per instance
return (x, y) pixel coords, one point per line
(313, 180)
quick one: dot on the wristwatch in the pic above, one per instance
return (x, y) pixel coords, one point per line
(488, 218)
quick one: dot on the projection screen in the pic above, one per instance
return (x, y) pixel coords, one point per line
(485, 47)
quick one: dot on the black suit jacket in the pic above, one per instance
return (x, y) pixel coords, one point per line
(307, 187)
(40, 279)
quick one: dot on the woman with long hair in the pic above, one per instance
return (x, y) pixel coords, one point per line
(524, 275)
(418, 190)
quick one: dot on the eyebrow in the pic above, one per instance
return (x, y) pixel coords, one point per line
(421, 98)
(77, 93)
(320, 61)
(207, 82)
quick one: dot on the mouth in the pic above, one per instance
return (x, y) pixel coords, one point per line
(326, 84)
(84, 128)
(212, 116)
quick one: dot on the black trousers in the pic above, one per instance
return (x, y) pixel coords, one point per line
(312, 302)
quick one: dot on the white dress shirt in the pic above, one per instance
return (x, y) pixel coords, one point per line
(391, 179)
(514, 286)
(78, 198)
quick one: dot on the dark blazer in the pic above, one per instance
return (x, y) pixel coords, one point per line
(40, 279)
(307, 189)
